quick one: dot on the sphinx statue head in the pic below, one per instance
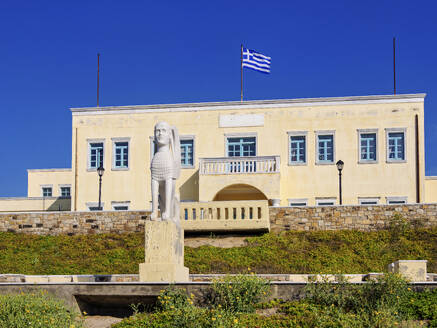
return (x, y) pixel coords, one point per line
(165, 169)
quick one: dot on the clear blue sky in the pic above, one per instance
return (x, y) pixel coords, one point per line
(189, 51)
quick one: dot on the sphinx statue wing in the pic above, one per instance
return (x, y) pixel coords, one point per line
(176, 149)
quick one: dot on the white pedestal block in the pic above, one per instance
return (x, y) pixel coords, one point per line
(164, 253)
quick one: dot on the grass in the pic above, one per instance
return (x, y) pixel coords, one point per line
(288, 252)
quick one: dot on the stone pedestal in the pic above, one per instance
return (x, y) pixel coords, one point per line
(164, 248)
(414, 270)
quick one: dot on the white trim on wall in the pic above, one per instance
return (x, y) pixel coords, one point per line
(368, 200)
(193, 138)
(301, 201)
(365, 131)
(297, 134)
(316, 137)
(114, 141)
(395, 130)
(393, 200)
(89, 142)
(331, 200)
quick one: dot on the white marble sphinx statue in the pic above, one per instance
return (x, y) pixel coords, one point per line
(165, 169)
(164, 240)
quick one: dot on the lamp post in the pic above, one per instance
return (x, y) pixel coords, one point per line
(340, 165)
(100, 171)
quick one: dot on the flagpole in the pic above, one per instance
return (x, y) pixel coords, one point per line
(394, 65)
(241, 62)
(98, 78)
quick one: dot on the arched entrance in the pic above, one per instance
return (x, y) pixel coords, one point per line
(239, 192)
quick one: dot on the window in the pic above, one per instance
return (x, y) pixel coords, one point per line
(121, 155)
(298, 202)
(297, 148)
(95, 159)
(368, 200)
(65, 191)
(47, 191)
(395, 145)
(120, 206)
(325, 148)
(187, 152)
(396, 200)
(325, 202)
(94, 206)
(241, 146)
(367, 146)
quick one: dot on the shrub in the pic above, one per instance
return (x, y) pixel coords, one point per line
(421, 306)
(173, 298)
(325, 293)
(192, 317)
(35, 310)
(239, 293)
(387, 292)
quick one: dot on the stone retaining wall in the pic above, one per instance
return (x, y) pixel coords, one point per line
(365, 218)
(71, 223)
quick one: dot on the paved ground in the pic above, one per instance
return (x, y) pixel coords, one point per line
(97, 321)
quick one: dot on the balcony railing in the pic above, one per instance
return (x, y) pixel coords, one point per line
(238, 165)
(225, 215)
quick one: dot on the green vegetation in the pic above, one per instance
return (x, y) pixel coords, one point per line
(288, 252)
(384, 303)
(35, 310)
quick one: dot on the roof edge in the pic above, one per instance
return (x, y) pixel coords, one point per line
(49, 170)
(399, 97)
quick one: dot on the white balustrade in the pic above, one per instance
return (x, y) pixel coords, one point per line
(238, 165)
(225, 215)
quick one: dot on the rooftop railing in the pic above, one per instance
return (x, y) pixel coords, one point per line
(238, 165)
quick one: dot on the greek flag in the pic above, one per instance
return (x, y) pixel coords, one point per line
(256, 61)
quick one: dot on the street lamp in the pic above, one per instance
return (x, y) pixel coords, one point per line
(100, 171)
(340, 165)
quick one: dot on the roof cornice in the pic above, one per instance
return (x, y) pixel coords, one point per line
(49, 170)
(232, 105)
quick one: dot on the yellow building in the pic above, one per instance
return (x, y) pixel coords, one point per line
(281, 150)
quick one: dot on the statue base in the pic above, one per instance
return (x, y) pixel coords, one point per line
(164, 253)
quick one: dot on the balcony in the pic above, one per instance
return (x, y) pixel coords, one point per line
(239, 165)
(224, 178)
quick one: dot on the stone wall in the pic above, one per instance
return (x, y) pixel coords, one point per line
(365, 218)
(63, 223)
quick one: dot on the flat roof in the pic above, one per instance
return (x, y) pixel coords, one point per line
(49, 170)
(299, 102)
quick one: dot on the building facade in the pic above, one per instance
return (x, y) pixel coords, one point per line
(284, 151)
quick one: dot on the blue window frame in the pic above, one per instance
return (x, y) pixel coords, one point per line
(368, 146)
(297, 149)
(96, 155)
(121, 159)
(47, 192)
(241, 147)
(396, 146)
(187, 152)
(65, 191)
(325, 148)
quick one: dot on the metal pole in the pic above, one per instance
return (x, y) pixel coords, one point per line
(394, 65)
(241, 65)
(416, 123)
(100, 193)
(98, 77)
(339, 182)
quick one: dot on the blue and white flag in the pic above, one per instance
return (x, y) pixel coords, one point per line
(256, 61)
